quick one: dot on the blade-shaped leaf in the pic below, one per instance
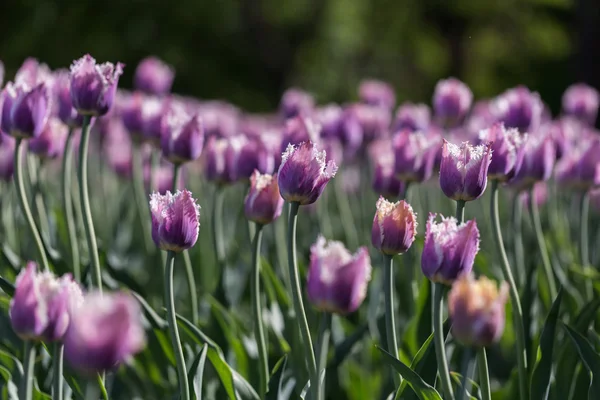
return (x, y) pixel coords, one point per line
(223, 371)
(8, 287)
(276, 379)
(196, 334)
(155, 320)
(589, 358)
(196, 371)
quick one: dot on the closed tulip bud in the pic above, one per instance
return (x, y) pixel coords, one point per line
(221, 159)
(105, 331)
(42, 304)
(476, 309)
(581, 101)
(51, 142)
(153, 76)
(62, 93)
(263, 204)
(414, 155)
(182, 137)
(337, 280)
(7, 99)
(519, 108)
(463, 170)
(93, 86)
(413, 117)
(131, 113)
(374, 121)
(175, 220)
(304, 173)
(394, 227)
(296, 102)
(253, 155)
(580, 168)
(377, 93)
(31, 73)
(449, 250)
(536, 161)
(385, 182)
(298, 130)
(506, 144)
(117, 147)
(451, 101)
(29, 112)
(7, 154)
(154, 112)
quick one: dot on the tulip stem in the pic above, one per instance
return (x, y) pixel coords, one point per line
(57, 371)
(537, 226)
(346, 216)
(259, 331)
(517, 216)
(189, 271)
(67, 168)
(322, 351)
(584, 240)
(172, 320)
(139, 192)
(84, 198)
(218, 243)
(484, 375)
(297, 297)
(466, 371)
(24, 203)
(390, 322)
(28, 371)
(100, 380)
(35, 177)
(514, 293)
(460, 211)
(439, 341)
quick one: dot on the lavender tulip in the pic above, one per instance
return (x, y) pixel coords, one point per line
(580, 168)
(153, 76)
(476, 309)
(29, 112)
(384, 182)
(463, 170)
(414, 155)
(506, 144)
(32, 73)
(337, 280)
(62, 93)
(131, 113)
(413, 117)
(254, 154)
(304, 173)
(263, 204)
(7, 154)
(394, 227)
(117, 148)
(377, 93)
(182, 137)
(7, 99)
(374, 121)
(581, 101)
(175, 220)
(296, 102)
(449, 250)
(105, 331)
(154, 112)
(519, 108)
(93, 86)
(536, 161)
(51, 142)
(222, 157)
(298, 130)
(451, 101)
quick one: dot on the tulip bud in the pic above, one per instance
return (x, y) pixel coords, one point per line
(175, 220)
(153, 76)
(7, 98)
(449, 250)
(476, 309)
(580, 167)
(377, 93)
(451, 100)
(263, 204)
(536, 161)
(394, 227)
(337, 280)
(254, 154)
(29, 112)
(51, 142)
(412, 117)
(31, 73)
(62, 93)
(581, 101)
(463, 170)
(385, 183)
(304, 173)
(519, 108)
(154, 111)
(131, 114)
(182, 137)
(414, 154)
(93, 86)
(506, 144)
(298, 130)
(296, 102)
(105, 331)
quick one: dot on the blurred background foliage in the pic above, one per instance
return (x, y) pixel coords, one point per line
(249, 51)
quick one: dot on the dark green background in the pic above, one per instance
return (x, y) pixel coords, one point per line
(249, 51)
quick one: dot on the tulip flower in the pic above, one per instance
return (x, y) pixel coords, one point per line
(580, 167)
(29, 111)
(7, 154)
(377, 93)
(463, 170)
(153, 76)
(505, 147)
(175, 220)
(298, 130)
(519, 108)
(263, 204)
(581, 101)
(394, 227)
(414, 155)
(51, 142)
(451, 101)
(296, 102)
(536, 161)
(93, 86)
(413, 117)
(182, 137)
(62, 93)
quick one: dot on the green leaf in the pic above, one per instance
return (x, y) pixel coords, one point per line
(165, 345)
(155, 320)
(457, 378)
(589, 358)
(223, 371)
(540, 379)
(276, 379)
(10, 385)
(197, 371)
(423, 390)
(196, 334)
(8, 287)
(419, 327)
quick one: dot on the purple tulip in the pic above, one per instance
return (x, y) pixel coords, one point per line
(104, 332)
(540, 195)
(414, 154)
(385, 182)
(519, 108)
(580, 168)
(93, 86)
(506, 144)
(182, 137)
(162, 178)
(581, 101)
(222, 159)
(296, 102)
(476, 309)
(153, 76)
(595, 199)
(263, 204)
(481, 117)
(451, 101)
(175, 220)
(464, 169)
(7, 154)
(29, 111)
(449, 250)
(117, 147)
(298, 130)
(154, 112)
(374, 121)
(377, 93)
(131, 113)
(62, 93)
(394, 227)
(8, 98)
(43, 303)
(536, 161)
(304, 173)
(337, 280)
(254, 154)
(51, 142)
(413, 117)
(220, 119)
(32, 73)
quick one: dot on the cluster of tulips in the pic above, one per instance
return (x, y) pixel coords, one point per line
(149, 137)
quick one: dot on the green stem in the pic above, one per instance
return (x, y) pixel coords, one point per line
(390, 322)
(141, 199)
(322, 350)
(67, 165)
(584, 240)
(517, 219)
(438, 339)
(466, 371)
(154, 165)
(460, 211)
(346, 215)
(297, 297)
(84, 197)
(57, 372)
(217, 225)
(537, 226)
(101, 386)
(189, 271)
(35, 180)
(514, 293)
(404, 196)
(174, 332)
(259, 331)
(24, 203)
(484, 375)
(26, 392)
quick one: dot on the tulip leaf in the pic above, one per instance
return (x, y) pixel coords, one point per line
(276, 379)
(422, 389)
(457, 378)
(155, 320)
(10, 391)
(590, 359)
(196, 334)
(196, 371)
(540, 380)
(419, 327)
(8, 287)
(233, 382)
(12, 259)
